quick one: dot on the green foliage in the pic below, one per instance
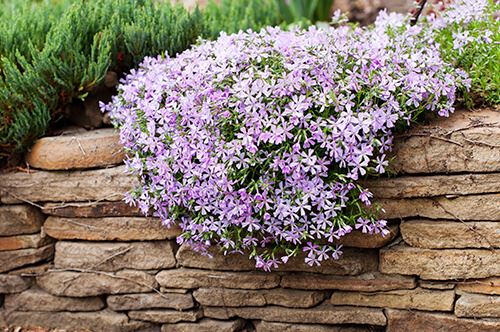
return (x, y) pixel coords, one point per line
(311, 11)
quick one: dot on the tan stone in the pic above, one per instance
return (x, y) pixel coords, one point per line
(357, 239)
(436, 284)
(150, 301)
(438, 234)
(89, 149)
(109, 229)
(32, 270)
(401, 320)
(444, 264)
(174, 290)
(166, 316)
(84, 284)
(367, 282)
(23, 241)
(114, 256)
(489, 286)
(12, 284)
(322, 314)
(353, 262)
(421, 299)
(19, 219)
(474, 305)
(430, 186)
(256, 298)
(38, 300)
(205, 325)
(16, 258)
(264, 326)
(42, 186)
(470, 207)
(191, 278)
(91, 210)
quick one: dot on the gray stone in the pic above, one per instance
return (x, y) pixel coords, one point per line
(150, 301)
(205, 325)
(166, 316)
(19, 219)
(12, 284)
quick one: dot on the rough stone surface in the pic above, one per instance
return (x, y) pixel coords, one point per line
(23, 241)
(191, 278)
(401, 320)
(368, 282)
(12, 284)
(421, 299)
(489, 286)
(84, 284)
(42, 186)
(264, 326)
(91, 210)
(17, 258)
(114, 256)
(87, 149)
(220, 297)
(32, 270)
(474, 306)
(353, 262)
(109, 229)
(322, 314)
(205, 325)
(444, 264)
(357, 239)
(38, 300)
(436, 284)
(166, 316)
(150, 301)
(470, 207)
(19, 219)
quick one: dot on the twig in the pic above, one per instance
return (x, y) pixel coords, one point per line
(419, 9)
(79, 144)
(479, 142)
(481, 124)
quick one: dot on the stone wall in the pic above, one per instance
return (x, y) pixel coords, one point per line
(74, 256)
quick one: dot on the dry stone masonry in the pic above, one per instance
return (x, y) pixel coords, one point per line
(73, 255)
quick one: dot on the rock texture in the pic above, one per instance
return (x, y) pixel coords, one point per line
(473, 305)
(19, 219)
(12, 284)
(489, 286)
(23, 241)
(166, 316)
(264, 326)
(17, 258)
(150, 301)
(91, 210)
(205, 325)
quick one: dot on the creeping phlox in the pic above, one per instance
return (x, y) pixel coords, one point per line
(254, 142)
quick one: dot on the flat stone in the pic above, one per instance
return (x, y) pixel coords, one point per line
(91, 210)
(32, 270)
(256, 298)
(421, 299)
(166, 316)
(367, 282)
(38, 300)
(150, 301)
(191, 278)
(19, 219)
(174, 290)
(107, 184)
(264, 326)
(322, 314)
(436, 285)
(89, 149)
(13, 259)
(489, 286)
(444, 264)
(12, 284)
(357, 239)
(474, 306)
(24, 241)
(438, 234)
(471, 207)
(402, 320)
(436, 185)
(417, 153)
(109, 229)
(84, 284)
(114, 256)
(205, 325)
(352, 262)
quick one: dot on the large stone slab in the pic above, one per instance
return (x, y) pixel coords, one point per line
(19, 219)
(84, 284)
(421, 299)
(475, 306)
(150, 301)
(471, 207)
(24, 241)
(91, 210)
(322, 314)
(13, 259)
(42, 186)
(191, 278)
(444, 264)
(38, 300)
(76, 150)
(12, 284)
(109, 229)
(352, 262)
(220, 297)
(166, 316)
(451, 234)
(489, 286)
(367, 282)
(205, 325)
(264, 326)
(114, 256)
(401, 320)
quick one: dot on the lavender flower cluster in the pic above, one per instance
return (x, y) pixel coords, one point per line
(255, 142)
